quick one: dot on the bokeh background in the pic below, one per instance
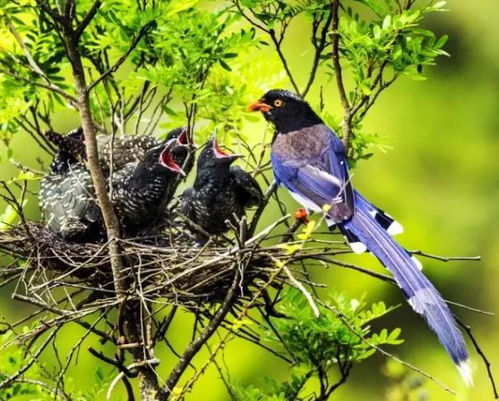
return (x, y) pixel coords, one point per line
(439, 176)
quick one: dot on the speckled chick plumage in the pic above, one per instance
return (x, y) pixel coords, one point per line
(141, 186)
(141, 192)
(67, 201)
(219, 191)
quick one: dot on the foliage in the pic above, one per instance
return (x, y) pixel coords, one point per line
(32, 385)
(174, 48)
(340, 337)
(11, 360)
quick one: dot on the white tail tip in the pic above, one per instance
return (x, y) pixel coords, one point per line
(465, 372)
(358, 247)
(417, 262)
(395, 228)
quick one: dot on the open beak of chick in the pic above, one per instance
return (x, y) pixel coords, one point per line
(221, 154)
(167, 160)
(184, 139)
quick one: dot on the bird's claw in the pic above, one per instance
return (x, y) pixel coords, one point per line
(301, 214)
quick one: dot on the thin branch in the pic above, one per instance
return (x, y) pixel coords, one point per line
(32, 63)
(49, 87)
(345, 321)
(33, 359)
(87, 18)
(277, 45)
(143, 31)
(444, 258)
(113, 362)
(45, 386)
(479, 351)
(197, 344)
(261, 207)
(319, 48)
(347, 129)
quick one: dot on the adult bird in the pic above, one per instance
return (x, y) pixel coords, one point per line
(220, 191)
(140, 192)
(310, 161)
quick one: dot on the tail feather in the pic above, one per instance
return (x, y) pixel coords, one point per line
(419, 291)
(386, 221)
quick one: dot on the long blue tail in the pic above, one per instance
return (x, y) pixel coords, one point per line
(419, 291)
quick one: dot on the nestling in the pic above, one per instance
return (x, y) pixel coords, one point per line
(221, 192)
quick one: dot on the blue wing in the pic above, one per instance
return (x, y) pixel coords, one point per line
(312, 165)
(318, 178)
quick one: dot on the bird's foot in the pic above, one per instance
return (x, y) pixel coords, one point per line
(302, 215)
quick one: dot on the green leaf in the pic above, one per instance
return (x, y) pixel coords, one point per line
(224, 65)
(387, 22)
(9, 216)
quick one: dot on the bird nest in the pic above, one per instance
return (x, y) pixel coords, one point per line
(186, 275)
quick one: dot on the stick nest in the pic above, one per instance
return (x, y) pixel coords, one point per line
(182, 274)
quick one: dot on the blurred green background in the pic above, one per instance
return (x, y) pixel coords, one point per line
(440, 179)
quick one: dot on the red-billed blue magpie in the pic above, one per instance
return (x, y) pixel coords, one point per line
(310, 161)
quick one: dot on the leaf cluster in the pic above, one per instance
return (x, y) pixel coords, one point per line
(378, 50)
(181, 60)
(340, 337)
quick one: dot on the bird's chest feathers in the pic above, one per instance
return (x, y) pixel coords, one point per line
(306, 144)
(215, 194)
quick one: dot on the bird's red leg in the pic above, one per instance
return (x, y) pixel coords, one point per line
(301, 214)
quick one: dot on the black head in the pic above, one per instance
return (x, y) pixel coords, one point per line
(71, 149)
(212, 155)
(286, 110)
(185, 146)
(181, 134)
(77, 134)
(62, 162)
(73, 142)
(160, 159)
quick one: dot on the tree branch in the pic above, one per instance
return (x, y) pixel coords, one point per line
(479, 351)
(33, 359)
(88, 18)
(49, 87)
(319, 48)
(143, 31)
(284, 62)
(197, 343)
(347, 119)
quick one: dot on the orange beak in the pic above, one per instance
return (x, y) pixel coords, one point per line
(259, 106)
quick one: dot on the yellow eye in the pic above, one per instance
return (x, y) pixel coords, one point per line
(278, 103)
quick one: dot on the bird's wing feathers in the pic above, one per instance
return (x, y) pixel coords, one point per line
(187, 204)
(321, 176)
(68, 203)
(126, 149)
(248, 192)
(335, 158)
